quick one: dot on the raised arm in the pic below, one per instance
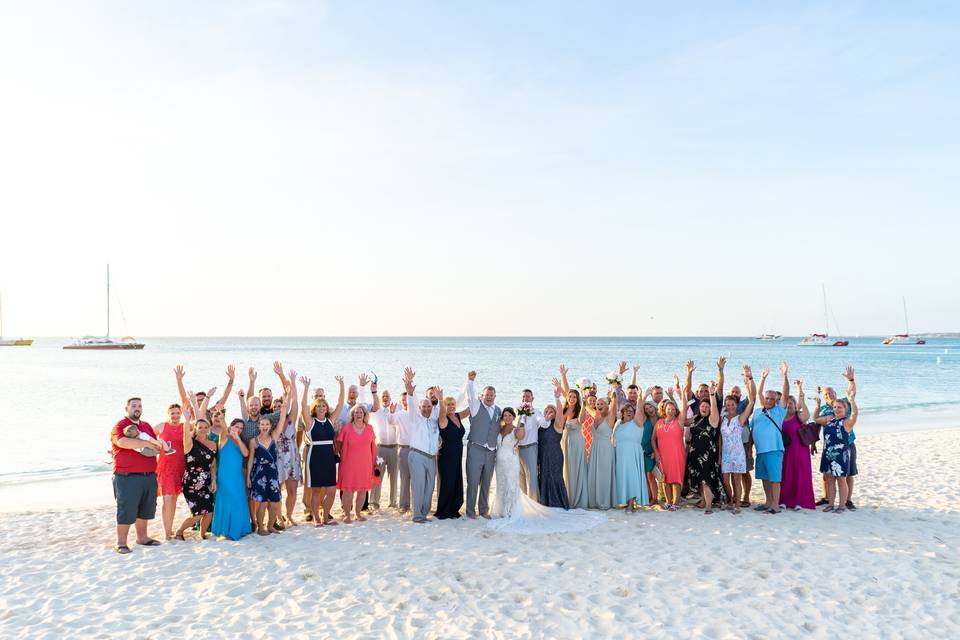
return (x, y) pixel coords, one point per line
(288, 401)
(714, 413)
(470, 389)
(851, 385)
(721, 363)
(374, 391)
(231, 376)
(785, 387)
(851, 421)
(763, 381)
(278, 369)
(802, 410)
(688, 383)
(561, 417)
(188, 422)
(179, 373)
(751, 390)
(442, 419)
(305, 381)
(252, 374)
(340, 400)
(633, 377)
(243, 405)
(563, 380)
(613, 407)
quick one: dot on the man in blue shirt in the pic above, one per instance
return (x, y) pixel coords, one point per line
(766, 423)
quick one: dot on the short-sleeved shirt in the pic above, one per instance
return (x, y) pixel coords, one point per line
(766, 434)
(251, 426)
(130, 460)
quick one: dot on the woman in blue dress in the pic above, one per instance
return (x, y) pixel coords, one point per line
(646, 441)
(631, 477)
(231, 512)
(553, 492)
(836, 460)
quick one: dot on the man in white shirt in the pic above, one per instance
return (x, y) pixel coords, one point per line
(403, 451)
(358, 394)
(384, 424)
(529, 479)
(424, 444)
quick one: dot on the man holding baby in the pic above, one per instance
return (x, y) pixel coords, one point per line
(135, 450)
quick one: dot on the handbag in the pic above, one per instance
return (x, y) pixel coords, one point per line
(809, 433)
(786, 438)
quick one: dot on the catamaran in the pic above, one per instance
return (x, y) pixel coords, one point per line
(770, 337)
(823, 339)
(104, 343)
(11, 342)
(904, 338)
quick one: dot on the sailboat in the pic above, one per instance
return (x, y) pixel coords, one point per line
(11, 342)
(105, 342)
(823, 339)
(904, 338)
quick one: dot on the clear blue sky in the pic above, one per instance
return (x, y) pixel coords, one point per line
(445, 168)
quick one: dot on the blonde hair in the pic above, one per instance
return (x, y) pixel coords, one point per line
(662, 409)
(315, 404)
(450, 400)
(366, 412)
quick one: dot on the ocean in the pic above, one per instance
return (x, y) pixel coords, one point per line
(59, 405)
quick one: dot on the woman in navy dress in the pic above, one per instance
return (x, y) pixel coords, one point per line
(837, 460)
(450, 461)
(321, 457)
(553, 492)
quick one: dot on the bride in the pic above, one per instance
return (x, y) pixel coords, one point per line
(513, 511)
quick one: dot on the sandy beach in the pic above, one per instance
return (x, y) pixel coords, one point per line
(891, 569)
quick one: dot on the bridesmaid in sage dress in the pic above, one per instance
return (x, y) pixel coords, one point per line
(574, 452)
(601, 470)
(553, 492)
(450, 461)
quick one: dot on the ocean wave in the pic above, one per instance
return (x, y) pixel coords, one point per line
(46, 475)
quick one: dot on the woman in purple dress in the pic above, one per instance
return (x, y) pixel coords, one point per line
(796, 492)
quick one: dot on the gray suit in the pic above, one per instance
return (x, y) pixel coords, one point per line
(481, 457)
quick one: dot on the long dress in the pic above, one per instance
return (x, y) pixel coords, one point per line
(553, 492)
(646, 441)
(513, 512)
(321, 459)
(264, 481)
(574, 464)
(733, 459)
(288, 458)
(197, 479)
(358, 457)
(170, 467)
(673, 451)
(631, 478)
(703, 463)
(836, 457)
(601, 478)
(796, 489)
(231, 513)
(450, 471)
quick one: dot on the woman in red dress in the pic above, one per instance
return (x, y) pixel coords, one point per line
(669, 447)
(358, 456)
(170, 467)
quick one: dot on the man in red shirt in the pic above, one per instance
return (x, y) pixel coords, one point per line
(134, 478)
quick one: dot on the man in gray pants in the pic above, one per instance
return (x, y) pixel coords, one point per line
(529, 479)
(482, 445)
(422, 454)
(403, 451)
(384, 424)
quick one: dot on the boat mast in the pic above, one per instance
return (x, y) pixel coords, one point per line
(108, 299)
(826, 317)
(906, 323)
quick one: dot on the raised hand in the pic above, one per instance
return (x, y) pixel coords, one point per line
(339, 379)
(231, 372)
(252, 373)
(364, 380)
(623, 367)
(713, 388)
(179, 372)
(799, 383)
(305, 381)
(408, 374)
(764, 373)
(691, 367)
(439, 393)
(636, 368)
(563, 369)
(676, 381)
(784, 368)
(848, 373)
(212, 391)
(393, 407)
(557, 393)
(471, 375)
(747, 371)
(721, 363)
(278, 368)
(292, 375)
(555, 383)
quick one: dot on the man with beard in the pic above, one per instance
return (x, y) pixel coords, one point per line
(134, 476)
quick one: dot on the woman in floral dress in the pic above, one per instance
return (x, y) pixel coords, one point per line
(199, 482)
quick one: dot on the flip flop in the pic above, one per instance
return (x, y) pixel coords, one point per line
(122, 549)
(744, 503)
(761, 507)
(707, 512)
(150, 543)
(829, 508)
(773, 512)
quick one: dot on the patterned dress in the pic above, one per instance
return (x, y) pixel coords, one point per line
(288, 458)
(264, 481)
(835, 460)
(734, 458)
(703, 463)
(197, 479)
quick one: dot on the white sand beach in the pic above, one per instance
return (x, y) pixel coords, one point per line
(891, 569)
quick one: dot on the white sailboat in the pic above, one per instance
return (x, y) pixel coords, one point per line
(105, 343)
(823, 339)
(11, 342)
(904, 338)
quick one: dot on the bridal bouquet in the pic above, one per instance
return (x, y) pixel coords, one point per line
(614, 378)
(584, 383)
(525, 409)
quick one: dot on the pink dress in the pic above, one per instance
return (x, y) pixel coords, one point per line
(170, 468)
(358, 453)
(796, 489)
(673, 450)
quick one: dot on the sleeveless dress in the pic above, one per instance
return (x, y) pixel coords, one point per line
(574, 464)
(358, 456)
(646, 441)
(515, 513)
(264, 481)
(703, 463)
(553, 492)
(231, 513)
(321, 459)
(170, 467)
(450, 471)
(835, 460)
(734, 456)
(601, 478)
(673, 452)
(288, 458)
(796, 488)
(197, 479)
(628, 453)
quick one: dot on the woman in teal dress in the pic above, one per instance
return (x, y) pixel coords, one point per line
(231, 512)
(631, 477)
(646, 441)
(601, 480)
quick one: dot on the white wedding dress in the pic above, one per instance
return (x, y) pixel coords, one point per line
(514, 512)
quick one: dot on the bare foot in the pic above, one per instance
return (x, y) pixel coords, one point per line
(361, 519)
(347, 520)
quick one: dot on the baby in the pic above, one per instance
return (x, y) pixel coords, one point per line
(131, 431)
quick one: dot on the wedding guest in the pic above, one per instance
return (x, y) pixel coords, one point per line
(302, 441)
(767, 427)
(134, 476)
(358, 458)
(703, 459)
(830, 395)
(384, 423)
(179, 373)
(263, 479)
(733, 457)
(669, 448)
(649, 461)
(482, 446)
(403, 452)
(552, 490)
(424, 441)
(796, 492)
(631, 485)
(170, 467)
(527, 452)
(321, 465)
(357, 394)
(450, 460)
(199, 482)
(231, 512)
(601, 480)
(574, 446)
(289, 471)
(837, 458)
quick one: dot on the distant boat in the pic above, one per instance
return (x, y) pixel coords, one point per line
(105, 343)
(770, 337)
(823, 339)
(904, 338)
(11, 342)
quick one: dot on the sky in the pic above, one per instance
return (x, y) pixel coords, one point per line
(496, 168)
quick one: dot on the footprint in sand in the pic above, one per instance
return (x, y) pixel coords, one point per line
(800, 591)
(763, 574)
(622, 592)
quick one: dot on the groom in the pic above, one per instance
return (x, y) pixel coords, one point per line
(482, 445)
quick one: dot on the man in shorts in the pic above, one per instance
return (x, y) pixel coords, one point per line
(134, 476)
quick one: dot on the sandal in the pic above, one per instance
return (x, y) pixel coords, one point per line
(179, 536)
(744, 503)
(829, 508)
(707, 512)
(761, 507)
(839, 510)
(736, 510)
(773, 512)
(150, 543)
(122, 549)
